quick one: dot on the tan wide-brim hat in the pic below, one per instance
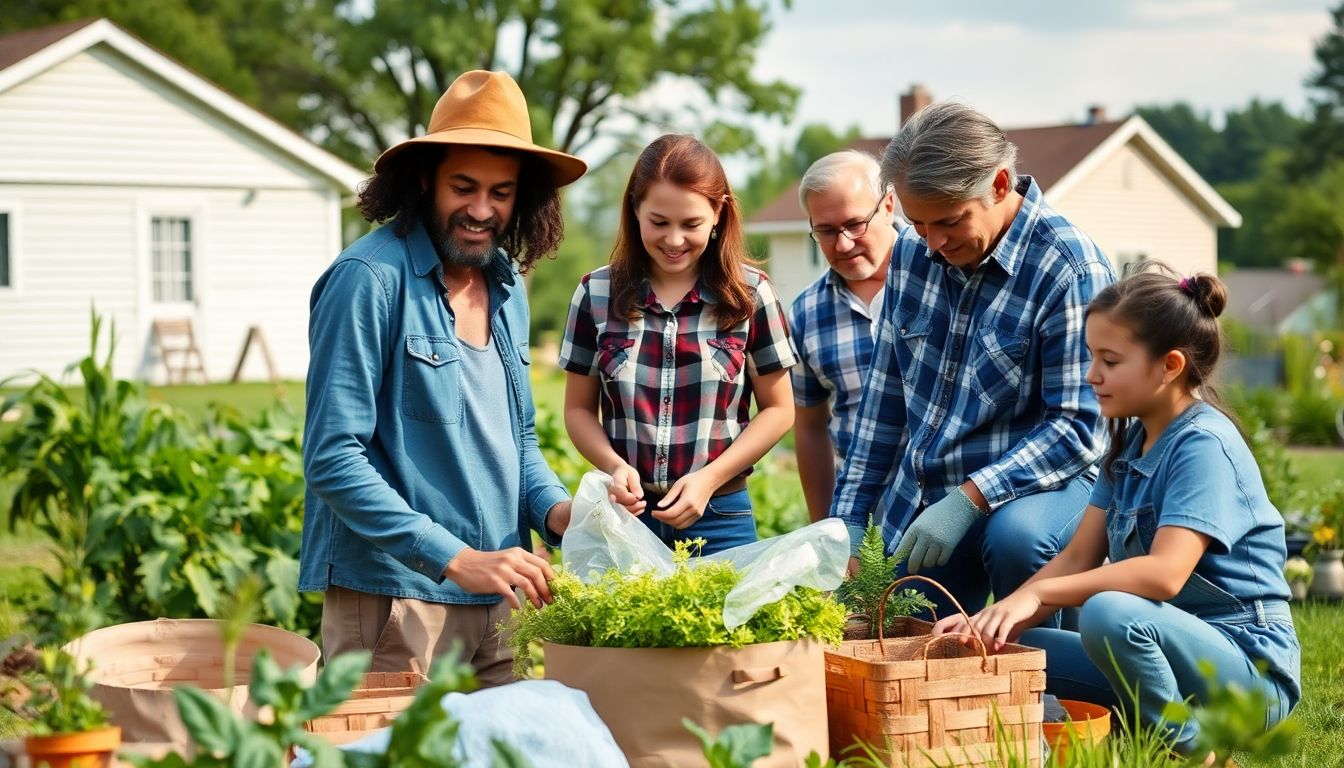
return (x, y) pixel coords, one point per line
(487, 109)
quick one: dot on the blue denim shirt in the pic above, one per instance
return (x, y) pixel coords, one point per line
(1200, 475)
(392, 481)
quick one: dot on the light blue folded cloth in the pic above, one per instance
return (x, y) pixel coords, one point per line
(547, 723)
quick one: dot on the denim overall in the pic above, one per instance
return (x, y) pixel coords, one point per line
(1125, 640)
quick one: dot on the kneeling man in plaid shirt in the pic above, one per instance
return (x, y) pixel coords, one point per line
(977, 436)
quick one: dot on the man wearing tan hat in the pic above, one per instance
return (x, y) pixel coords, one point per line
(423, 470)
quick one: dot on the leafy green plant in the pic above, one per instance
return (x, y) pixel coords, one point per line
(122, 485)
(736, 746)
(1311, 418)
(776, 499)
(48, 689)
(682, 610)
(561, 455)
(1276, 468)
(862, 592)
(1232, 719)
(225, 739)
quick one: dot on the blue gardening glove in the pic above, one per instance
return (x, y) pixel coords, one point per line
(935, 532)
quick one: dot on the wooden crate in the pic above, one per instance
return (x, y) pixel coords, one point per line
(375, 703)
(929, 701)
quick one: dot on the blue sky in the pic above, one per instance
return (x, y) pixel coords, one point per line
(1038, 62)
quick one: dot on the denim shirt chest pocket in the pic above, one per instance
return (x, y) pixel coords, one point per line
(1130, 533)
(913, 328)
(997, 364)
(432, 386)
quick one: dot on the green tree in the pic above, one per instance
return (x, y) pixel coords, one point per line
(359, 75)
(1323, 138)
(788, 164)
(1191, 134)
(1249, 135)
(583, 63)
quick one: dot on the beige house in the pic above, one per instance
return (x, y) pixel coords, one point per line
(131, 183)
(1118, 181)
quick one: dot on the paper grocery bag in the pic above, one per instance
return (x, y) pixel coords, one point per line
(643, 693)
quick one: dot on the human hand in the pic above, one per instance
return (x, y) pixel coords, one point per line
(625, 489)
(852, 569)
(557, 517)
(953, 624)
(499, 572)
(1003, 621)
(686, 500)
(936, 531)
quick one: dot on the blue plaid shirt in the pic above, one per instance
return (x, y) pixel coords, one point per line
(978, 376)
(833, 331)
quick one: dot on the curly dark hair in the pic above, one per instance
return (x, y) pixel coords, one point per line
(399, 191)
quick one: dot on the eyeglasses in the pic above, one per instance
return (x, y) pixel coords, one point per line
(826, 235)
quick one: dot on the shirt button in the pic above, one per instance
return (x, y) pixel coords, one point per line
(903, 330)
(667, 400)
(434, 356)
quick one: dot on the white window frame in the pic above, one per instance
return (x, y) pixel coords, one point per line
(189, 277)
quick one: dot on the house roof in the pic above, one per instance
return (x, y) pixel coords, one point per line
(24, 55)
(17, 46)
(1056, 156)
(1264, 298)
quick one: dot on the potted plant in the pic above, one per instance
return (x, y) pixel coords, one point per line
(1328, 573)
(1298, 572)
(637, 643)
(48, 690)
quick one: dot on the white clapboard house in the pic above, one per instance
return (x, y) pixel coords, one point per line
(130, 183)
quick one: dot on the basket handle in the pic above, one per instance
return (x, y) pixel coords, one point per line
(933, 639)
(882, 614)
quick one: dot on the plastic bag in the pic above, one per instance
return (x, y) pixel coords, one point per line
(603, 535)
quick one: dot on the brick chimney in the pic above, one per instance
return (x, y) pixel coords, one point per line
(1096, 113)
(914, 100)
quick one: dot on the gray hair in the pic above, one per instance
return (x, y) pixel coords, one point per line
(824, 172)
(948, 151)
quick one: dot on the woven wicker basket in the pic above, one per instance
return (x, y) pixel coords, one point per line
(926, 701)
(375, 703)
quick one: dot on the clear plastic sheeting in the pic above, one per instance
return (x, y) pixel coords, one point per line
(602, 535)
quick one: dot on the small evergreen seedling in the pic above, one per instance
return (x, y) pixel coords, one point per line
(862, 592)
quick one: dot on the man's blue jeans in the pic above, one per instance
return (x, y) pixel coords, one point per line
(1007, 547)
(1156, 647)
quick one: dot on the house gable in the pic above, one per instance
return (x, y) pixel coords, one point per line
(98, 106)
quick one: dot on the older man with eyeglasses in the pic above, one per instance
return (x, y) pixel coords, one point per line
(852, 217)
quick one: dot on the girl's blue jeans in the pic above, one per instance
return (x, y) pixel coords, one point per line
(1127, 643)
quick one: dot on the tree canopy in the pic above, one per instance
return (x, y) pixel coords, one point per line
(359, 75)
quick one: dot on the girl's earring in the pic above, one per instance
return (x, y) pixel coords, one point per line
(714, 234)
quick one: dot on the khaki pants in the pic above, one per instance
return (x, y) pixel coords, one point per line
(407, 635)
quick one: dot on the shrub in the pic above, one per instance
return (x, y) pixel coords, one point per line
(126, 487)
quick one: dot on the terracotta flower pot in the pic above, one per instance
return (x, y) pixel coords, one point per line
(1086, 724)
(88, 749)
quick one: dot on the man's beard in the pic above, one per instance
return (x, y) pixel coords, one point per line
(455, 253)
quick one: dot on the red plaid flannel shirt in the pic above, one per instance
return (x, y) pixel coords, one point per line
(676, 390)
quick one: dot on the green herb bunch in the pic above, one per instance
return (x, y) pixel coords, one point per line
(682, 610)
(862, 593)
(49, 690)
